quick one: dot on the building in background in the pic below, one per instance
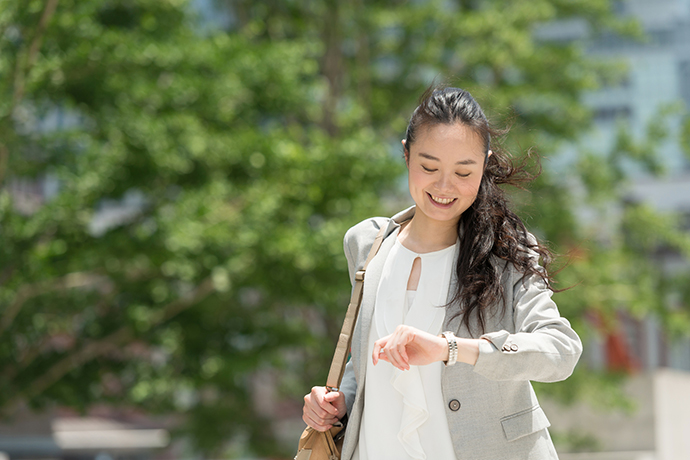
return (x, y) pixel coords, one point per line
(658, 79)
(103, 434)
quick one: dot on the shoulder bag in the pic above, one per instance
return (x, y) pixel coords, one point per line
(327, 445)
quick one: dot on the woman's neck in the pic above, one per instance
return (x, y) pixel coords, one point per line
(423, 235)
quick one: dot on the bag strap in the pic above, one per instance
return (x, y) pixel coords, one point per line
(342, 350)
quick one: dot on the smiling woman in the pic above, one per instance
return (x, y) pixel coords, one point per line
(462, 262)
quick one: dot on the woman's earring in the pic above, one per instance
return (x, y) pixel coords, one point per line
(406, 153)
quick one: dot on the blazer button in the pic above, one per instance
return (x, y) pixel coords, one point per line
(513, 347)
(454, 405)
(506, 347)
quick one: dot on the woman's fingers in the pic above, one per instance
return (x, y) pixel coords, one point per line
(319, 396)
(392, 349)
(318, 412)
(318, 425)
(318, 421)
(397, 357)
(403, 354)
(337, 400)
(380, 350)
(378, 353)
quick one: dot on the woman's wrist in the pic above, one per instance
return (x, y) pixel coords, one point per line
(442, 349)
(468, 350)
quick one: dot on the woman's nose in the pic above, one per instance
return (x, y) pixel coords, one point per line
(444, 182)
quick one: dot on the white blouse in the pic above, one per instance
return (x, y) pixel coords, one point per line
(404, 413)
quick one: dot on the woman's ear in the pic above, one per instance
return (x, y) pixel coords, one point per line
(406, 153)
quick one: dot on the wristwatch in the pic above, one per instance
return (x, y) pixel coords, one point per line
(452, 347)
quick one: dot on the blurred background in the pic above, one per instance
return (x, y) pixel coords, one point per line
(176, 178)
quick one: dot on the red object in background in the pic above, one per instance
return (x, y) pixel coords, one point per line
(618, 354)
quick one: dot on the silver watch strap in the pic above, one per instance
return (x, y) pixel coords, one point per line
(452, 348)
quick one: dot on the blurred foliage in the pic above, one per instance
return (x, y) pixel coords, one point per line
(199, 215)
(203, 178)
(576, 441)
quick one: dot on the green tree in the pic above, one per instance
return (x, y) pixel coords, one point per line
(230, 197)
(235, 159)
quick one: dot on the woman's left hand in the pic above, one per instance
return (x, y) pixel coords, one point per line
(410, 346)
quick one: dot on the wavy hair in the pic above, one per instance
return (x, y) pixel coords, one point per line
(488, 230)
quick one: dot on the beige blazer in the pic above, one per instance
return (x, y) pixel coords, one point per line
(492, 410)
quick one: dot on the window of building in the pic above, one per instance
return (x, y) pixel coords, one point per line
(611, 114)
(684, 81)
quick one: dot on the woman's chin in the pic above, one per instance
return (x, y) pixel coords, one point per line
(447, 214)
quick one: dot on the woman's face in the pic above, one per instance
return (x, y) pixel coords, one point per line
(445, 166)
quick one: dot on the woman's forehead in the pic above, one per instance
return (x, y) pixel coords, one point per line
(446, 135)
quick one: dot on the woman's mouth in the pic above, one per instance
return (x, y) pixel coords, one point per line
(445, 202)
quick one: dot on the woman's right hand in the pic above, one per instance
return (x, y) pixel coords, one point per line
(322, 408)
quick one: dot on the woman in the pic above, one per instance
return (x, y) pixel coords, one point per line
(461, 262)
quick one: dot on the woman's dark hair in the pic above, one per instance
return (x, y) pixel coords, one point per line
(488, 230)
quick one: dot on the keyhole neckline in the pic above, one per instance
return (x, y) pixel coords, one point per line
(425, 254)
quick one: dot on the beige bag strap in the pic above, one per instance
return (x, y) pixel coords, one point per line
(342, 350)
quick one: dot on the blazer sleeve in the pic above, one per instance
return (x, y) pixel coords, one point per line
(543, 347)
(348, 387)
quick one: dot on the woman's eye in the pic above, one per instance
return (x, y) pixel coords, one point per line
(463, 175)
(427, 169)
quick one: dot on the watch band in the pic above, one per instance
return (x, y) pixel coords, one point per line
(452, 348)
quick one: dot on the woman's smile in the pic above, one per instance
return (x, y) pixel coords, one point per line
(443, 202)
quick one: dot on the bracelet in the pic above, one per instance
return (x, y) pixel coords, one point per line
(452, 348)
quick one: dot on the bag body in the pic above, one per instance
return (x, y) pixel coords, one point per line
(321, 445)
